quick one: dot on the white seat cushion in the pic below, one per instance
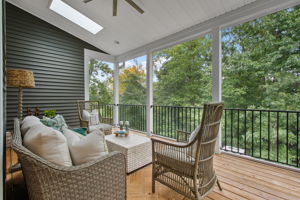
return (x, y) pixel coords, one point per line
(28, 122)
(100, 126)
(48, 143)
(86, 148)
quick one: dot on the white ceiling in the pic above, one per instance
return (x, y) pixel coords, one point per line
(131, 29)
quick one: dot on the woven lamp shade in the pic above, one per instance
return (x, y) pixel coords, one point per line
(19, 78)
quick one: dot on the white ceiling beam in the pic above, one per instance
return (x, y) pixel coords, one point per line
(98, 55)
(246, 13)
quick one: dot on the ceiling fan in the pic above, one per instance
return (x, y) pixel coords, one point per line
(115, 2)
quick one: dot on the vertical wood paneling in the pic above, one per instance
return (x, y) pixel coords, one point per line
(56, 59)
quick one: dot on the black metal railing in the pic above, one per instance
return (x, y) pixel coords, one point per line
(168, 119)
(272, 135)
(135, 115)
(106, 112)
(266, 134)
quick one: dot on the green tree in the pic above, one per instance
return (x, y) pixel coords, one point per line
(261, 62)
(133, 85)
(100, 82)
(185, 77)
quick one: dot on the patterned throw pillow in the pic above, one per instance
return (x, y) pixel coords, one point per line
(94, 120)
(56, 123)
(92, 117)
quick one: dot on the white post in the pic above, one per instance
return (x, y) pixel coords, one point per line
(116, 93)
(217, 73)
(86, 77)
(149, 105)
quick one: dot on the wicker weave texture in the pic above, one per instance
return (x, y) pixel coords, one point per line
(104, 178)
(137, 154)
(188, 167)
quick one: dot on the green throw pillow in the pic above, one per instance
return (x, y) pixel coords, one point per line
(81, 131)
(57, 122)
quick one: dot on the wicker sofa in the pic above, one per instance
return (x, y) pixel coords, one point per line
(104, 178)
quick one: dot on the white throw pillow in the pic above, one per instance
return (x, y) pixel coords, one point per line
(28, 122)
(87, 148)
(86, 115)
(49, 144)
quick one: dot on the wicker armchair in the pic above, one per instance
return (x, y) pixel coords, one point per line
(105, 123)
(104, 178)
(188, 167)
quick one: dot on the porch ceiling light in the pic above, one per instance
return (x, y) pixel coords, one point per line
(73, 15)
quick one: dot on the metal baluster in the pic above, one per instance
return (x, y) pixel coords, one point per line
(186, 116)
(231, 122)
(225, 132)
(167, 122)
(269, 125)
(182, 117)
(194, 119)
(252, 145)
(297, 147)
(260, 134)
(190, 119)
(287, 138)
(245, 126)
(159, 129)
(277, 139)
(238, 131)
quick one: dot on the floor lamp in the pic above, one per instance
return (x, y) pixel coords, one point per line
(19, 78)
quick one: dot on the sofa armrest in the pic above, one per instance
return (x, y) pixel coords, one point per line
(104, 178)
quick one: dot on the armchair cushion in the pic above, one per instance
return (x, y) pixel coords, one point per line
(194, 134)
(176, 158)
(48, 143)
(100, 127)
(85, 149)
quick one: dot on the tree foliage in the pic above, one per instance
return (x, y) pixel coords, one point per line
(132, 82)
(261, 62)
(185, 76)
(101, 80)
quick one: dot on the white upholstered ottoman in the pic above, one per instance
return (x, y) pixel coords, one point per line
(137, 149)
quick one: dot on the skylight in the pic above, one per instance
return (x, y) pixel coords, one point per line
(73, 15)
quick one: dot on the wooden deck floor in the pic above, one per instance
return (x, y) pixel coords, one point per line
(240, 179)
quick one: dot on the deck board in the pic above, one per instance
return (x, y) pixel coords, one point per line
(240, 178)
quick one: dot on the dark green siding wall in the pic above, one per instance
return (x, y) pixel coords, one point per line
(56, 59)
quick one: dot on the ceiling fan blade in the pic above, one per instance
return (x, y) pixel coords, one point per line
(86, 1)
(115, 4)
(130, 2)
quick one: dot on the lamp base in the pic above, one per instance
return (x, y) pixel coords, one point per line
(20, 103)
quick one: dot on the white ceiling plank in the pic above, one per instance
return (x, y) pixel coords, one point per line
(246, 13)
(161, 21)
